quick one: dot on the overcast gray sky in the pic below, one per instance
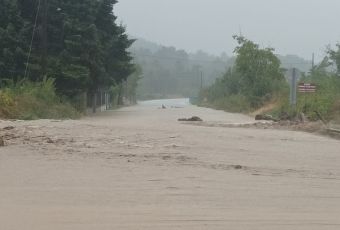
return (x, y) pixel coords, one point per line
(290, 26)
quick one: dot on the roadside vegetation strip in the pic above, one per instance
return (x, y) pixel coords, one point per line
(28, 100)
(256, 83)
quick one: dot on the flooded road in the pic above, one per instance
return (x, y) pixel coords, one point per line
(139, 168)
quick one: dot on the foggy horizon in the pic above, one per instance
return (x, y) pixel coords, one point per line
(304, 28)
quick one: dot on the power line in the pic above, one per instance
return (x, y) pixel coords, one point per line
(33, 33)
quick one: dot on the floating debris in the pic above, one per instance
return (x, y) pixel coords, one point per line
(8, 128)
(194, 118)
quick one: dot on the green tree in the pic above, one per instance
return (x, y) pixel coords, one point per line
(12, 41)
(132, 83)
(254, 79)
(258, 71)
(334, 56)
(78, 43)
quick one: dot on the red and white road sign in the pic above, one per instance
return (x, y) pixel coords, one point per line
(307, 88)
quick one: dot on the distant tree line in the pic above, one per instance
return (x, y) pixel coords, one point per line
(171, 72)
(76, 42)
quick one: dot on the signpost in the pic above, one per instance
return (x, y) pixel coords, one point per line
(303, 88)
(292, 98)
(307, 88)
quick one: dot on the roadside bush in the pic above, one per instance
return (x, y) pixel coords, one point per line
(33, 100)
(325, 102)
(233, 103)
(255, 79)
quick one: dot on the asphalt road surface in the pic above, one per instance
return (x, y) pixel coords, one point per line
(139, 168)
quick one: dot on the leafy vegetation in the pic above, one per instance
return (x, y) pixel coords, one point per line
(77, 43)
(324, 103)
(169, 72)
(255, 79)
(28, 100)
(326, 100)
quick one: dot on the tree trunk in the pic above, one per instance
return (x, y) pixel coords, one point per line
(94, 102)
(120, 95)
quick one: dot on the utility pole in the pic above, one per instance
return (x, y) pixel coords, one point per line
(201, 80)
(313, 61)
(293, 87)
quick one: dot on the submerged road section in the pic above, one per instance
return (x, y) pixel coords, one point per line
(140, 168)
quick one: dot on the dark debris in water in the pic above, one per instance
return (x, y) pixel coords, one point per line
(194, 118)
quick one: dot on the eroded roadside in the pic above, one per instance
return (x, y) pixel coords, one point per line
(317, 127)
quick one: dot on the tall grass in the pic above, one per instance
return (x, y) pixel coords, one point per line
(33, 100)
(325, 101)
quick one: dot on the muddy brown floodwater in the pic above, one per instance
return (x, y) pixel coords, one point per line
(139, 168)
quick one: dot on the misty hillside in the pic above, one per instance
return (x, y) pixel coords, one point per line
(171, 72)
(141, 43)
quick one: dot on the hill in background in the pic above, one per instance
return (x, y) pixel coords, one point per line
(169, 72)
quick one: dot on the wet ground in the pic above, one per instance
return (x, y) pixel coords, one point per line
(139, 168)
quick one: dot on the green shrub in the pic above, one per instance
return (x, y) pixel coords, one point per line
(255, 79)
(233, 103)
(33, 100)
(325, 102)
